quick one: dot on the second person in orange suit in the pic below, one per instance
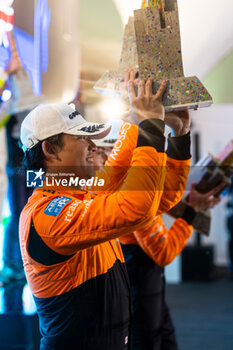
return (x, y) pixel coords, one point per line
(147, 330)
(149, 249)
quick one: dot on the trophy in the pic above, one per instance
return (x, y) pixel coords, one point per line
(152, 44)
(208, 173)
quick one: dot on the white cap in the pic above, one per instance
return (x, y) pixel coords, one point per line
(105, 143)
(48, 120)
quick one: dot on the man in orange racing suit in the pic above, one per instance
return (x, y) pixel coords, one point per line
(74, 265)
(151, 319)
(147, 249)
(146, 252)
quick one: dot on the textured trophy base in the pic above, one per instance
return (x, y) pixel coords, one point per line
(201, 221)
(184, 93)
(181, 92)
(109, 84)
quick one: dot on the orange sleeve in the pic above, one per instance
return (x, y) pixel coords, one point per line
(163, 245)
(128, 239)
(174, 186)
(120, 159)
(106, 217)
(124, 146)
(115, 169)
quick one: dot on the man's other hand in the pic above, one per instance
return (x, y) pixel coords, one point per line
(179, 122)
(202, 201)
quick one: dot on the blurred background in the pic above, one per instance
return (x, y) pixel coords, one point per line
(64, 48)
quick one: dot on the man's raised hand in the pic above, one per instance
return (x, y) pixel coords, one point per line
(145, 105)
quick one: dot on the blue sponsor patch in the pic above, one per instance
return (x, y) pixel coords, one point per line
(55, 206)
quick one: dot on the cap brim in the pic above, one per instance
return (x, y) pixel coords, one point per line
(92, 130)
(101, 143)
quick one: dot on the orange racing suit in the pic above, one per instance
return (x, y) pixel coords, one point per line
(153, 246)
(73, 262)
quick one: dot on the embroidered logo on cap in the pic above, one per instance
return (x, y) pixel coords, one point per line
(92, 128)
(110, 140)
(73, 115)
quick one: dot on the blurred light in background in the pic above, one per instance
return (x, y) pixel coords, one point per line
(6, 214)
(6, 20)
(126, 8)
(1, 243)
(72, 105)
(115, 124)
(111, 108)
(6, 95)
(29, 306)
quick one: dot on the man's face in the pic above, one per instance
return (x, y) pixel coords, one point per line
(77, 155)
(99, 157)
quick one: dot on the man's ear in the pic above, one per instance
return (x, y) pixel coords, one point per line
(50, 151)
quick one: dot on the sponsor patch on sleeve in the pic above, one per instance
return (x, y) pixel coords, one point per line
(55, 206)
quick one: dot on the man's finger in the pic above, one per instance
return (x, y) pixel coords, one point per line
(161, 90)
(148, 88)
(141, 87)
(131, 91)
(126, 78)
(132, 74)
